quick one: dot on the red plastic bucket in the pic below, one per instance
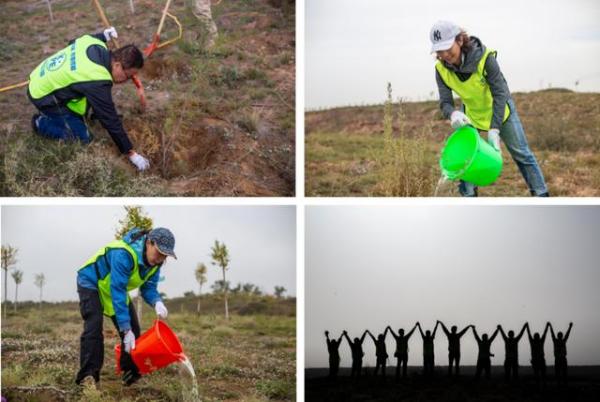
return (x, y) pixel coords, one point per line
(156, 348)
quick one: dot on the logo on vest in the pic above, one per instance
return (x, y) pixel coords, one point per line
(437, 35)
(56, 62)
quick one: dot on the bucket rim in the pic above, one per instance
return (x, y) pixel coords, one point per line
(461, 172)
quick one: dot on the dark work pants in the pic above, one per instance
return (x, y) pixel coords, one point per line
(91, 352)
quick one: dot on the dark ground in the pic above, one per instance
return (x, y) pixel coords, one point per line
(584, 385)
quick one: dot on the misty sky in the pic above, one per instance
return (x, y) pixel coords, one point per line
(353, 48)
(367, 267)
(57, 240)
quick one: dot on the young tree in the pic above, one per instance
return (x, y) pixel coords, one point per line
(50, 10)
(9, 259)
(18, 277)
(201, 279)
(279, 291)
(135, 218)
(220, 256)
(40, 281)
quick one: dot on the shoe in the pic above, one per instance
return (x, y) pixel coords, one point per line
(34, 123)
(88, 382)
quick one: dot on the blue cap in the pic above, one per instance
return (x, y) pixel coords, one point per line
(164, 240)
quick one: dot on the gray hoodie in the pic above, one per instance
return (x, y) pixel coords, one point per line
(493, 76)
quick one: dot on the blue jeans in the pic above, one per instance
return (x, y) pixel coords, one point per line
(67, 127)
(513, 136)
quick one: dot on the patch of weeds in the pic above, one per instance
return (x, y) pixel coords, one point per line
(226, 371)
(229, 76)
(277, 389)
(254, 74)
(222, 331)
(249, 122)
(13, 375)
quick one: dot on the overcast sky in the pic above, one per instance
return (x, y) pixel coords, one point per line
(367, 267)
(353, 48)
(57, 241)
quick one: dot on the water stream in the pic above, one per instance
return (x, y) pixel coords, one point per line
(190, 396)
(443, 180)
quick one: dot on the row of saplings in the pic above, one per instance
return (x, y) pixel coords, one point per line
(511, 363)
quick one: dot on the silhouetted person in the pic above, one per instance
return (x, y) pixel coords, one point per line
(357, 353)
(484, 362)
(428, 353)
(380, 351)
(560, 354)
(333, 347)
(511, 355)
(538, 360)
(454, 346)
(401, 349)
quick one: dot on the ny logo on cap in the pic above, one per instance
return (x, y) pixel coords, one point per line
(437, 35)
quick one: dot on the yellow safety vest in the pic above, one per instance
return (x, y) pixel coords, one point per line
(474, 92)
(135, 280)
(66, 67)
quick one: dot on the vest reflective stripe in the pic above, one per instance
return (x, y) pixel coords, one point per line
(135, 280)
(66, 67)
(474, 92)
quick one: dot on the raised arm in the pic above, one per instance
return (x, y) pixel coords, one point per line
(347, 337)
(476, 335)
(568, 331)
(545, 332)
(362, 338)
(502, 332)
(421, 331)
(551, 331)
(526, 325)
(443, 327)
(386, 331)
(435, 329)
(340, 338)
(371, 335)
(392, 331)
(494, 334)
(529, 333)
(407, 336)
(461, 333)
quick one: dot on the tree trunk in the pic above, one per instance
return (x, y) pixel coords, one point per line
(16, 295)
(5, 290)
(225, 288)
(131, 6)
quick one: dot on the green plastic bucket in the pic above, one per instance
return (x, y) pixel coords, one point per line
(466, 156)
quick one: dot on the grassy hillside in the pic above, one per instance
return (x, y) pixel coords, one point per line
(250, 358)
(218, 122)
(346, 153)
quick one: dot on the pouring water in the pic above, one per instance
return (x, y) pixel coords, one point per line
(192, 396)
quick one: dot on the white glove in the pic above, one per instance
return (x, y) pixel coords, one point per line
(109, 33)
(139, 161)
(494, 138)
(459, 119)
(161, 310)
(129, 341)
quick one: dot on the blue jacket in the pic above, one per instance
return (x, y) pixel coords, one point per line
(120, 266)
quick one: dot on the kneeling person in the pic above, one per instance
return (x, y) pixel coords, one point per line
(64, 86)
